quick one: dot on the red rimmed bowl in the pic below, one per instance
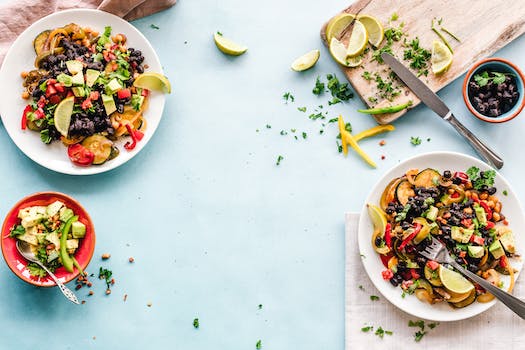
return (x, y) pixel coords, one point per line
(18, 264)
(499, 65)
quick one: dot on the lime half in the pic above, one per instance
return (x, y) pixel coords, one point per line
(453, 281)
(63, 114)
(374, 29)
(441, 58)
(306, 61)
(153, 81)
(227, 46)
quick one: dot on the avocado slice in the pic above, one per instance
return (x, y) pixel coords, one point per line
(78, 229)
(74, 67)
(91, 76)
(496, 249)
(475, 251)
(507, 241)
(460, 234)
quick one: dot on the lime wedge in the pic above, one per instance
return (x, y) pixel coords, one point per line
(62, 115)
(358, 40)
(153, 81)
(338, 52)
(306, 61)
(227, 46)
(441, 58)
(374, 29)
(337, 25)
(454, 282)
(378, 217)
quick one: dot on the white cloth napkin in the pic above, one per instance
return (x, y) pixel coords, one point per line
(497, 328)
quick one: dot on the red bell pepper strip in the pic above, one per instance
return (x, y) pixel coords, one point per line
(136, 136)
(385, 259)
(462, 176)
(388, 235)
(24, 116)
(417, 228)
(488, 211)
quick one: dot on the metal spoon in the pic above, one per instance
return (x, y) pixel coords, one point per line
(27, 253)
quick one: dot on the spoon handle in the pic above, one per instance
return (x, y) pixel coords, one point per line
(68, 293)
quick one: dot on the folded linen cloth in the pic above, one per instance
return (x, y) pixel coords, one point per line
(496, 328)
(20, 14)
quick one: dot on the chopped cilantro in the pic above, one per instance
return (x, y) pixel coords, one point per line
(17, 231)
(484, 78)
(480, 179)
(196, 323)
(260, 306)
(106, 275)
(268, 126)
(153, 26)
(279, 159)
(415, 140)
(301, 109)
(333, 120)
(367, 75)
(318, 88)
(417, 56)
(304, 135)
(283, 132)
(315, 116)
(36, 270)
(219, 33)
(338, 90)
(374, 297)
(367, 329)
(258, 345)
(288, 97)
(394, 17)
(361, 287)
(505, 192)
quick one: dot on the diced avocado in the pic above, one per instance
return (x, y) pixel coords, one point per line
(65, 79)
(31, 211)
(137, 101)
(36, 215)
(74, 67)
(66, 214)
(460, 234)
(71, 245)
(507, 241)
(29, 238)
(53, 208)
(91, 76)
(52, 237)
(52, 255)
(78, 229)
(77, 79)
(496, 249)
(480, 214)
(79, 91)
(113, 86)
(475, 251)
(432, 213)
(109, 104)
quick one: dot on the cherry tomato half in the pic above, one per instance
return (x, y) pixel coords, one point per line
(80, 155)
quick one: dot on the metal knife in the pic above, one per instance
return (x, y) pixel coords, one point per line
(433, 101)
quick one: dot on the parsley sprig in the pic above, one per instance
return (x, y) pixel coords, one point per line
(480, 179)
(486, 77)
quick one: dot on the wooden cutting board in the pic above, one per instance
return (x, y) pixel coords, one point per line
(483, 26)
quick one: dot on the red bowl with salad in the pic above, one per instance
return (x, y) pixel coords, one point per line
(41, 219)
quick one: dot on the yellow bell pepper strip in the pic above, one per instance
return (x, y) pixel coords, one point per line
(384, 110)
(348, 137)
(374, 131)
(67, 262)
(342, 130)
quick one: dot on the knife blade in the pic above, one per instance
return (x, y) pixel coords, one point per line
(429, 98)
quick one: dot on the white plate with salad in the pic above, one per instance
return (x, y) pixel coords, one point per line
(77, 143)
(390, 258)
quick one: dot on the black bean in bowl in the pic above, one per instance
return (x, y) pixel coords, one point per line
(493, 93)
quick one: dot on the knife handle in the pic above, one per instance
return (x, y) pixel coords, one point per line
(483, 150)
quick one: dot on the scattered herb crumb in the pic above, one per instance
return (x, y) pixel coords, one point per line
(319, 87)
(258, 345)
(154, 26)
(315, 116)
(333, 120)
(428, 140)
(301, 109)
(505, 192)
(421, 332)
(305, 135)
(374, 297)
(288, 97)
(195, 323)
(367, 75)
(106, 275)
(268, 126)
(367, 329)
(361, 287)
(279, 159)
(394, 17)
(260, 306)
(219, 33)
(380, 332)
(283, 133)
(415, 140)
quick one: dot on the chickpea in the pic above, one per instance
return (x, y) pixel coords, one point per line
(474, 196)
(496, 217)
(497, 207)
(467, 210)
(25, 95)
(24, 74)
(468, 193)
(490, 204)
(484, 195)
(450, 191)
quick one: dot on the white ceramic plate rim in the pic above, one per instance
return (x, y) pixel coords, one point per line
(373, 266)
(20, 58)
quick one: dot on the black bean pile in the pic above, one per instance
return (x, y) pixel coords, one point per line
(493, 99)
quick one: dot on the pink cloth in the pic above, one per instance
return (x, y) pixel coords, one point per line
(20, 14)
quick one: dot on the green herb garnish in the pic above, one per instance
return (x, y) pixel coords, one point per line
(106, 275)
(301, 109)
(279, 159)
(258, 345)
(318, 88)
(153, 26)
(481, 178)
(288, 97)
(195, 323)
(374, 297)
(415, 140)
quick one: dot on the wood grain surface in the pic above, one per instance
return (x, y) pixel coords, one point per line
(482, 26)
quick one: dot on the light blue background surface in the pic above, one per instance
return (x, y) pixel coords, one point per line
(215, 227)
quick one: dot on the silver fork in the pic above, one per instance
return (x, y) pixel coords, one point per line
(438, 252)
